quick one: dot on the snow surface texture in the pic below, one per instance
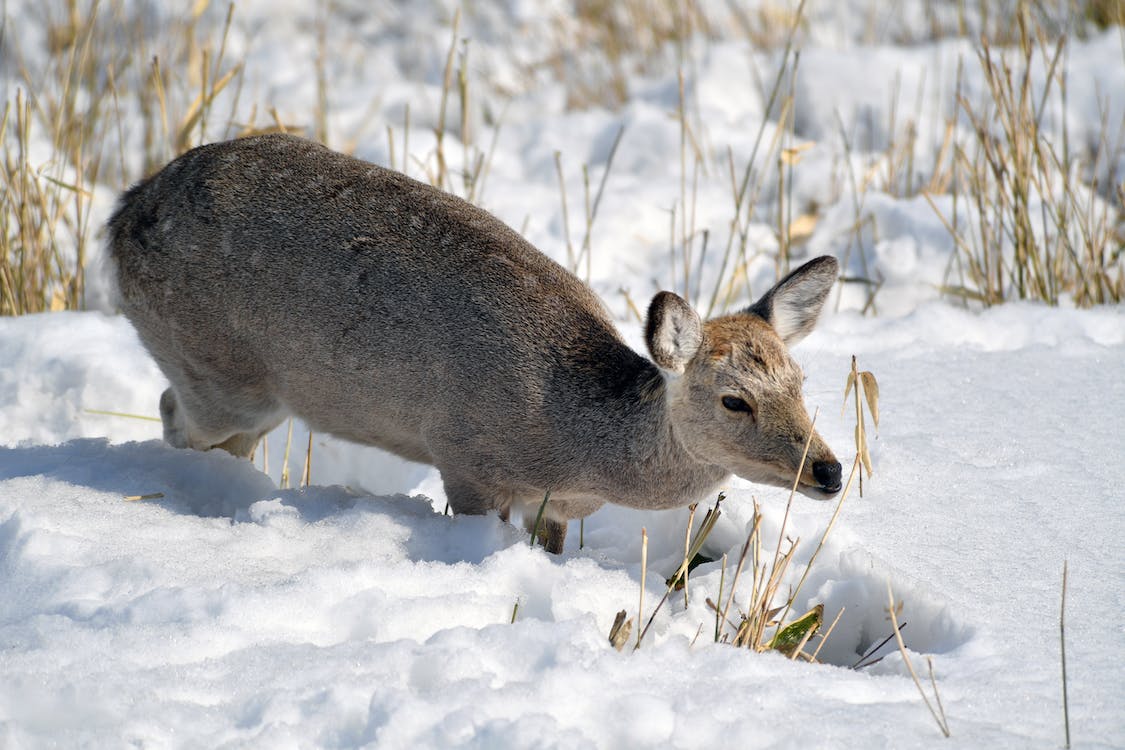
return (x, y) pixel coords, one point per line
(228, 612)
(231, 611)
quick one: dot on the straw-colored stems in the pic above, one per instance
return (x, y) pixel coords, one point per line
(823, 537)
(592, 208)
(719, 614)
(1062, 652)
(571, 261)
(306, 470)
(687, 547)
(284, 483)
(824, 638)
(796, 483)
(690, 552)
(939, 715)
(644, 571)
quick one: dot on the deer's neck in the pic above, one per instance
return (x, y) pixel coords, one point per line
(643, 464)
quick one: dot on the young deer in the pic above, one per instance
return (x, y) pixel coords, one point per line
(270, 276)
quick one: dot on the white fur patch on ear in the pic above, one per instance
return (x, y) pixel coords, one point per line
(673, 332)
(795, 302)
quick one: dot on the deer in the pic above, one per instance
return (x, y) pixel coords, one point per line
(270, 277)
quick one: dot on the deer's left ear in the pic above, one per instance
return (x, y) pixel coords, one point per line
(795, 302)
(673, 332)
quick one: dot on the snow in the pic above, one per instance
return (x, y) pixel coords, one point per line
(231, 611)
(224, 610)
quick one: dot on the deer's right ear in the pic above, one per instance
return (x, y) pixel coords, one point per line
(673, 332)
(794, 304)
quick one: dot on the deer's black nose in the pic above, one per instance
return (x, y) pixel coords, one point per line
(828, 474)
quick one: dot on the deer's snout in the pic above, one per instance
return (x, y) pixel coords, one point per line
(828, 474)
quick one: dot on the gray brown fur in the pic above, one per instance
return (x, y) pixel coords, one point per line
(270, 276)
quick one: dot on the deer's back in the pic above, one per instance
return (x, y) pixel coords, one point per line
(368, 302)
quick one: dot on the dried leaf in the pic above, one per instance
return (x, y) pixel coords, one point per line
(149, 496)
(68, 186)
(619, 633)
(802, 227)
(848, 391)
(195, 110)
(864, 454)
(871, 392)
(772, 614)
(792, 155)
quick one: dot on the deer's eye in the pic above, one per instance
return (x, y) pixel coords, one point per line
(734, 403)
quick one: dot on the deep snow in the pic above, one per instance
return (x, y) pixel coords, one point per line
(231, 611)
(228, 612)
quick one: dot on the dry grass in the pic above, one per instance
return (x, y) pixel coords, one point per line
(866, 393)
(1025, 222)
(44, 221)
(1062, 656)
(1029, 220)
(63, 134)
(763, 621)
(633, 37)
(1103, 14)
(939, 712)
(591, 203)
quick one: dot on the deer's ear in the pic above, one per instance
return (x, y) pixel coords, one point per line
(673, 332)
(795, 302)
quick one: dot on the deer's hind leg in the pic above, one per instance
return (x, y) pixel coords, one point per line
(194, 420)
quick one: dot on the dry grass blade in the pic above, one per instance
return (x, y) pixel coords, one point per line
(687, 552)
(752, 536)
(745, 191)
(709, 520)
(306, 469)
(149, 496)
(122, 414)
(824, 638)
(796, 483)
(197, 109)
(441, 180)
(1062, 652)
(718, 614)
(865, 382)
(939, 717)
(644, 571)
(823, 537)
(592, 208)
(571, 261)
(284, 481)
(871, 393)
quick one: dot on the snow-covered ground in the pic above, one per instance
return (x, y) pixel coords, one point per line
(229, 612)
